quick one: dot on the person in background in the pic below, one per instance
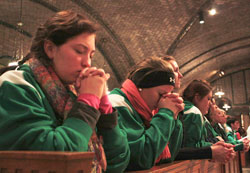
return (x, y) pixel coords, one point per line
(55, 101)
(153, 138)
(197, 96)
(232, 126)
(212, 118)
(219, 122)
(241, 133)
(218, 152)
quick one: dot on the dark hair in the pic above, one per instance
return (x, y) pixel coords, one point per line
(147, 67)
(59, 29)
(231, 120)
(242, 132)
(200, 87)
(213, 111)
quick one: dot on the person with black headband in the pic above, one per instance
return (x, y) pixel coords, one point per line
(152, 138)
(219, 152)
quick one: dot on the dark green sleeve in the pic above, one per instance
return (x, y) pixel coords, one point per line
(115, 143)
(193, 131)
(212, 129)
(146, 144)
(27, 122)
(194, 153)
(175, 141)
(231, 139)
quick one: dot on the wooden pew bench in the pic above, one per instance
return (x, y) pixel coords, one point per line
(45, 162)
(80, 162)
(195, 166)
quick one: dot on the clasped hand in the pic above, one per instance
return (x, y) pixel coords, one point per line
(92, 81)
(173, 102)
(222, 152)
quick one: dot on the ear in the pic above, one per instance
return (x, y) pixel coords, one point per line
(49, 48)
(196, 99)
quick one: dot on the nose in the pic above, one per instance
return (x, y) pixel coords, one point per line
(86, 61)
(180, 75)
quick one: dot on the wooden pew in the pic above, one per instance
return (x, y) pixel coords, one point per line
(195, 166)
(80, 162)
(45, 162)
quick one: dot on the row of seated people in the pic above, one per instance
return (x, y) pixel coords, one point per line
(55, 101)
(221, 127)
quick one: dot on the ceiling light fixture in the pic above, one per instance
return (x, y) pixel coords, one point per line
(221, 73)
(20, 23)
(219, 93)
(226, 107)
(201, 17)
(212, 12)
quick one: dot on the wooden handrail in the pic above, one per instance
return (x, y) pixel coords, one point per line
(190, 166)
(45, 162)
(81, 162)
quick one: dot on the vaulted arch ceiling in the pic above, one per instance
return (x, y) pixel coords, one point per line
(132, 30)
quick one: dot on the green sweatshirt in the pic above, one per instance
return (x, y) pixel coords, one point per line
(211, 133)
(193, 127)
(146, 144)
(28, 122)
(232, 139)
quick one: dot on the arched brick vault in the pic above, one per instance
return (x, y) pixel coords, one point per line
(132, 30)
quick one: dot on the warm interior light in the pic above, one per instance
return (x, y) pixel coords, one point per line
(20, 23)
(212, 12)
(201, 17)
(226, 107)
(219, 93)
(221, 73)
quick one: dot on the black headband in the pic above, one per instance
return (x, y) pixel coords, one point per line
(156, 79)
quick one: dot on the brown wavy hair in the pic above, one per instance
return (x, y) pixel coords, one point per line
(200, 87)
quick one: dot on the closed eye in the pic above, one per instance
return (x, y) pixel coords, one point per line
(78, 51)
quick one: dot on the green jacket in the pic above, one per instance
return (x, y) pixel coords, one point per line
(146, 144)
(211, 133)
(232, 139)
(193, 127)
(220, 131)
(28, 122)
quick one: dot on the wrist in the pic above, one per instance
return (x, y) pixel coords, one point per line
(90, 99)
(105, 105)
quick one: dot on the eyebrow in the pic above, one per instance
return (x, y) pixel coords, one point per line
(81, 45)
(85, 47)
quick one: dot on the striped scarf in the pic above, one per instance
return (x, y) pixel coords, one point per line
(62, 102)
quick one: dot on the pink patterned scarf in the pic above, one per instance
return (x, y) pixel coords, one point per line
(59, 98)
(131, 91)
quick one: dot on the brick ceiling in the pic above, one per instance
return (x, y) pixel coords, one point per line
(135, 29)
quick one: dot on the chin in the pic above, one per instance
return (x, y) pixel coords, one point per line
(177, 86)
(69, 82)
(205, 113)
